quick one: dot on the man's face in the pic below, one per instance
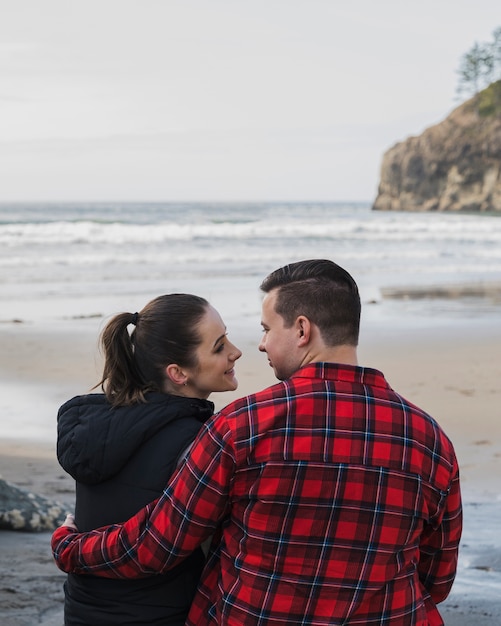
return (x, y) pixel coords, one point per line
(279, 342)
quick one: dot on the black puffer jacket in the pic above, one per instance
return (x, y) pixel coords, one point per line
(121, 459)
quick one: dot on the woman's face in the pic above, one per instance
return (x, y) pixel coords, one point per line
(216, 356)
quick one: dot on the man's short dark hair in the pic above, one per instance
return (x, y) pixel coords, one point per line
(323, 292)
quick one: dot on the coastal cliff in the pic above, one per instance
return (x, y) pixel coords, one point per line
(452, 166)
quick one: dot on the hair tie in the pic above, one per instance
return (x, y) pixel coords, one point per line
(135, 318)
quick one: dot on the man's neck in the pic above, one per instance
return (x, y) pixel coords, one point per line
(346, 355)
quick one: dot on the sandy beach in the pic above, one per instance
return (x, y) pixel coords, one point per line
(452, 371)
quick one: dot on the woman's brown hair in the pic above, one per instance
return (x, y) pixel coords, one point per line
(165, 332)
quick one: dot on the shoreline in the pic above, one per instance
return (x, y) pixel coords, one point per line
(490, 290)
(451, 371)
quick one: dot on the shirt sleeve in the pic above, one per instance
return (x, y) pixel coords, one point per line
(163, 533)
(440, 544)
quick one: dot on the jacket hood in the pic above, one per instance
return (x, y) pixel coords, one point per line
(95, 440)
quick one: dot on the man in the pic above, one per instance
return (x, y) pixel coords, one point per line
(332, 499)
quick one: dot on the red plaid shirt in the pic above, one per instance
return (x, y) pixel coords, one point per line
(332, 500)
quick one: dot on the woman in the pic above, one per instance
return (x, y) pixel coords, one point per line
(121, 446)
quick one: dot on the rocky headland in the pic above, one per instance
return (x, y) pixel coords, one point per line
(452, 166)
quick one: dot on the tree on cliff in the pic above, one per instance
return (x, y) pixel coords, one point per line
(481, 65)
(496, 48)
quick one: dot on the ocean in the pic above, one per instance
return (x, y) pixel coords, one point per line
(96, 258)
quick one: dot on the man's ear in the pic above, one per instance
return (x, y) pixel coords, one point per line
(176, 374)
(303, 326)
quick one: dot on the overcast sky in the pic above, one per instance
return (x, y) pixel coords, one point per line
(222, 99)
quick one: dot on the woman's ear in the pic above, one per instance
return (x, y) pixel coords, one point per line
(176, 374)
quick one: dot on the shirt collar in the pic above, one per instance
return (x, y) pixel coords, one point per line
(341, 372)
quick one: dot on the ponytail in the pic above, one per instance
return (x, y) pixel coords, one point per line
(121, 382)
(135, 362)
